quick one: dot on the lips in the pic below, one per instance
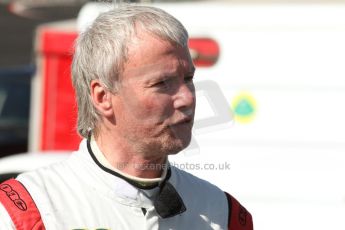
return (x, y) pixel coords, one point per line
(185, 120)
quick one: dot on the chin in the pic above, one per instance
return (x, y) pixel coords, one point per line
(176, 145)
(169, 143)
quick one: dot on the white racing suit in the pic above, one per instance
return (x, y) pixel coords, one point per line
(80, 194)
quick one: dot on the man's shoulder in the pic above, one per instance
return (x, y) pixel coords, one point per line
(209, 198)
(200, 196)
(47, 176)
(181, 176)
(65, 165)
(45, 171)
(191, 185)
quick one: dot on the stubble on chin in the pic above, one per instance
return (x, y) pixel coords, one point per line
(162, 146)
(152, 143)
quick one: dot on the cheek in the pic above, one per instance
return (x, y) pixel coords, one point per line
(146, 106)
(157, 106)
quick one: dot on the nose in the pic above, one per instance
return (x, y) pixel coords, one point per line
(185, 97)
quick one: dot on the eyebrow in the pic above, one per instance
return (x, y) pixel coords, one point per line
(168, 74)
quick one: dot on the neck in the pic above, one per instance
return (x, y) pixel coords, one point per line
(123, 157)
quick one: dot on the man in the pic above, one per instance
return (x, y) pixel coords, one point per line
(133, 77)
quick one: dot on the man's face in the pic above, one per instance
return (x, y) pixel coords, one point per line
(155, 104)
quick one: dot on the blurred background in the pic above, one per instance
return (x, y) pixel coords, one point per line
(18, 21)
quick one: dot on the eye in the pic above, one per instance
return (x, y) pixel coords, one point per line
(163, 84)
(160, 84)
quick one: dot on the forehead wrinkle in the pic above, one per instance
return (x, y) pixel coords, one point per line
(158, 68)
(169, 58)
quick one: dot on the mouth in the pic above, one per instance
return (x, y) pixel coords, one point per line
(186, 120)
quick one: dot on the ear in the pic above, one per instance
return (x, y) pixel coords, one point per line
(101, 98)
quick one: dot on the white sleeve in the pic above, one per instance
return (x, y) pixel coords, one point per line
(5, 220)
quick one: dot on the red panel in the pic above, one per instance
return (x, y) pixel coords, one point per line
(57, 42)
(59, 107)
(204, 51)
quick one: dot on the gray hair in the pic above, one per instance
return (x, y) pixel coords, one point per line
(101, 52)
